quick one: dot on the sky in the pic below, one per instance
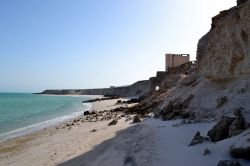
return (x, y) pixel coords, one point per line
(78, 44)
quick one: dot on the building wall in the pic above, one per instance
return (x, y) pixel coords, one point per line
(174, 60)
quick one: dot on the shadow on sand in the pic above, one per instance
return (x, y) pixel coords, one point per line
(129, 147)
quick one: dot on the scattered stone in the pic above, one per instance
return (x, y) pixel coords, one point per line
(136, 119)
(229, 163)
(221, 101)
(221, 130)
(198, 139)
(113, 122)
(94, 130)
(206, 151)
(241, 91)
(86, 113)
(93, 112)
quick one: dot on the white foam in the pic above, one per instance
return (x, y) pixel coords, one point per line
(42, 125)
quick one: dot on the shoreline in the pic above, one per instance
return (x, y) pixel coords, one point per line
(46, 123)
(14, 149)
(22, 131)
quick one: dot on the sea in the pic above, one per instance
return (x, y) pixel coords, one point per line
(22, 113)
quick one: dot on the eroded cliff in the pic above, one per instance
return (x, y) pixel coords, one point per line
(224, 52)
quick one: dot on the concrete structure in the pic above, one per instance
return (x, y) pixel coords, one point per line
(174, 60)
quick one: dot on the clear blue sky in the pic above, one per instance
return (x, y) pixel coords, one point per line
(47, 44)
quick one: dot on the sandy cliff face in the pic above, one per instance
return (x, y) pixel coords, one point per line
(224, 52)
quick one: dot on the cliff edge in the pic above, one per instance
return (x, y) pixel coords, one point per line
(224, 52)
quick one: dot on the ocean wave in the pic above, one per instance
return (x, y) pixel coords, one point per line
(42, 125)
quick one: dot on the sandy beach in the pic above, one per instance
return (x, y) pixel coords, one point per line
(58, 144)
(151, 142)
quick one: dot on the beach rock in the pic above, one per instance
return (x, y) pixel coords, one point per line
(229, 163)
(243, 153)
(86, 113)
(237, 126)
(136, 119)
(93, 112)
(198, 139)
(113, 122)
(241, 148)
(221, 101)
(94, 130)
(223, 53)
(221, 130)
(206, 151)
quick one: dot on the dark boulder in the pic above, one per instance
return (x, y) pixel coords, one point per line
(240, 152)
(221, 130)
(113, 122)
(229, 163)
(136, 119)
(86, 113)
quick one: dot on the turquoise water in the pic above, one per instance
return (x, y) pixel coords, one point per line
(21, 113)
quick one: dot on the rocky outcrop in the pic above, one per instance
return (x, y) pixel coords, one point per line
(221, 130)
(227, 127)
(224, 52)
